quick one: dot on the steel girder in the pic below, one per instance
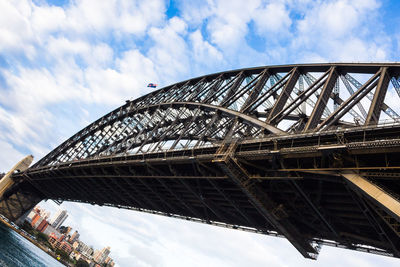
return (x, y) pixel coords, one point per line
(264, 101)
(257, 149)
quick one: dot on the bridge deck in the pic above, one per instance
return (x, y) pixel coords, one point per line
(297, 151)
(299, 173)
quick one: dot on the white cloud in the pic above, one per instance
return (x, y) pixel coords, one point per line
(194, 12)
(9, 156)
(342, 31)
(203, 53)
(274, 17)
(69, 65)
(170, 49)
(120, 17)
(15, 30)
(47, 19)
(65, 69)
(228, 26)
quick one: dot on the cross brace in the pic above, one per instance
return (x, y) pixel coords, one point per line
(376, 194)
(274, 214)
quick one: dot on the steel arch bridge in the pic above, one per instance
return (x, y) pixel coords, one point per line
(308, 152)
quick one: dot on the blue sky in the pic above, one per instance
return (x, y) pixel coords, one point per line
(65, 63)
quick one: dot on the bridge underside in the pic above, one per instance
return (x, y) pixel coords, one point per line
(290, 187)
(290, 151)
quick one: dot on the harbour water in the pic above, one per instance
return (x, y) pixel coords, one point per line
(15, 250)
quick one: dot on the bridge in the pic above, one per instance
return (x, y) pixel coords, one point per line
(307, 152)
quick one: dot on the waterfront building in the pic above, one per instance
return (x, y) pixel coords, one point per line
(59, 218)
(101, 255)
(30, 216)
(51, 230)
(42, 225)
(38, 222)
(74, 237)
(109, 262)
(86, 250)
(75, 255)
(37, 211)
(96, 254)
(60, 243)
(34, 220)
(65, 246)
(75, 245)
(45, 214)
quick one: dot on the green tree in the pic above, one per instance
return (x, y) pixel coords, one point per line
(62, 254)
(28, 228)
(41, 237)
(63, 229)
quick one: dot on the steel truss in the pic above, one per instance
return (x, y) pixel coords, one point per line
(266, 150)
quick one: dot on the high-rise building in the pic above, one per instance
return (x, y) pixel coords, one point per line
(101, 255)
(45, 214)
(59, 218)
(68, 230)
(75, 245)
(74, 237)
(31, 215)
(86, 250)
(34, 220)
(51, 230)
(42, 226)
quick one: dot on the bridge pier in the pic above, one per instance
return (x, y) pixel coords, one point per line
(15, 206)
(16, 199)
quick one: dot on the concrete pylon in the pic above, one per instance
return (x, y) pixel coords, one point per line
(6, 182)
(17, 199)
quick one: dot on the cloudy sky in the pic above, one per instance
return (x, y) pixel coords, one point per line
(65, 63)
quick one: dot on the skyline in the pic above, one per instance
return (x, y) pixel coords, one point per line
(62, 234)
(64, 64)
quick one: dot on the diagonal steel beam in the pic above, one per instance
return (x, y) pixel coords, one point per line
(256, 90)
(376, 194)
(299, 99)
(271, 91)
(351, 92)
(284, 96)
(350, 102)
(385, 108)
(238, 80)
(322, 100)
(379, 95)
(274, 214)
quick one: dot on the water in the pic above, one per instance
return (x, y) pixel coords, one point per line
(15, 250)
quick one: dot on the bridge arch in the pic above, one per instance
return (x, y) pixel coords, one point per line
(263, 149)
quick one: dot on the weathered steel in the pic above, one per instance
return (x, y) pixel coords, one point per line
(257, 149)
(273, 213)
(286, 91)
(322, 100)
(377, 101)
(387, 202)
